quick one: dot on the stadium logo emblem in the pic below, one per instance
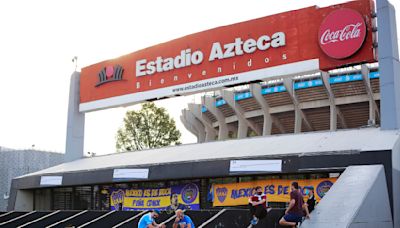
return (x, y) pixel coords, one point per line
(189, 193)
(323, 188)
(221, 194)
(117, 198)
(110, 74)
(342, 33)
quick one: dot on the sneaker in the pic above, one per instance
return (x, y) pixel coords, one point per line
(254, 221)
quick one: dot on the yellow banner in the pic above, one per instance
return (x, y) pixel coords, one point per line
(185, 196)
(277, 190)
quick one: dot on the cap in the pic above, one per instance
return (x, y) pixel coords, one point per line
(157, 211)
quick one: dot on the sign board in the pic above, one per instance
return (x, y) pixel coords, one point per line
(277, 190)
(184, 196)
(255, 166)
(50, 180)
(131, 174)
(288, 43)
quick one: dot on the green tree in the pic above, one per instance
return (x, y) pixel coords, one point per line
(150, 127)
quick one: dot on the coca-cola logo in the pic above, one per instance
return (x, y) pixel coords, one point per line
(342, 33)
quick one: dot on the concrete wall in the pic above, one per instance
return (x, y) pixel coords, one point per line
(14, 163)
(359, 198)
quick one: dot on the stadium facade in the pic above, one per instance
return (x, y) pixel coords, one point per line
(343, 99)
(289, 67)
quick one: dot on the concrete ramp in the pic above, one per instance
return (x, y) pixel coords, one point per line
(358, 199)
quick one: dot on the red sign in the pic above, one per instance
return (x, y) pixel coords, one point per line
(342, 33)
(277, 45)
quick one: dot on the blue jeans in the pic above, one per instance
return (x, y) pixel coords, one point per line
(290, 217)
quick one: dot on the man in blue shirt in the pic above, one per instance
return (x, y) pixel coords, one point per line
(182, 220)
(147, 220)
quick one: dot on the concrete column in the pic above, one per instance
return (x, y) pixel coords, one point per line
(297, 121)
(211, 134)
(193, 121)
(299, 114)
(334, 110)
(333, 117)
(267, 125)
(389, 68)
(255, 90)
(75, 123)
(190, 128)
(242, 129)
(209, 103)
(373, 107)
(229, 97)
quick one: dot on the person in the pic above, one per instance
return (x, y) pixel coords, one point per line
(175, 205)
(309, 191)
(258, 205)
(294, 212)
(182, 220)
(147, 220)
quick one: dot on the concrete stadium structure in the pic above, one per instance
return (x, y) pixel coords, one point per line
(16, 163)
(345, 122)
(340, 99)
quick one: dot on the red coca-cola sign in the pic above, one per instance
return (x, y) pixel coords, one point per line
(342, 33)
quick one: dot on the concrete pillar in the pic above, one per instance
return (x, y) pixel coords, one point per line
(193, 121)
(299, 114)
(333, 117)
(334, 110)
(242, 129)
(256, 92)
(267, 125)
(75, 123)
(229, 97)
(373, 107)
(297, 121)
(209, 103)
(191, 128)
(195, 109)
(389, 68)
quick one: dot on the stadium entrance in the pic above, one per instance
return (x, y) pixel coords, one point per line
(282, 49)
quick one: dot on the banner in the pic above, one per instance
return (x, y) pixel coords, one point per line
(293, 42)
(184, 196)
(277, 190)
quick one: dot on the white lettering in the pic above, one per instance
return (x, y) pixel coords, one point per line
(151, 68)
(197, 57)
(179, 60)
(249, 63)
(278, 40)
(351, 31)
(223, 51)
(249, 46)
(140, 67)
(216, 52)
(262, 43)
(229, 50)
(168, 64)
(238, 46)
